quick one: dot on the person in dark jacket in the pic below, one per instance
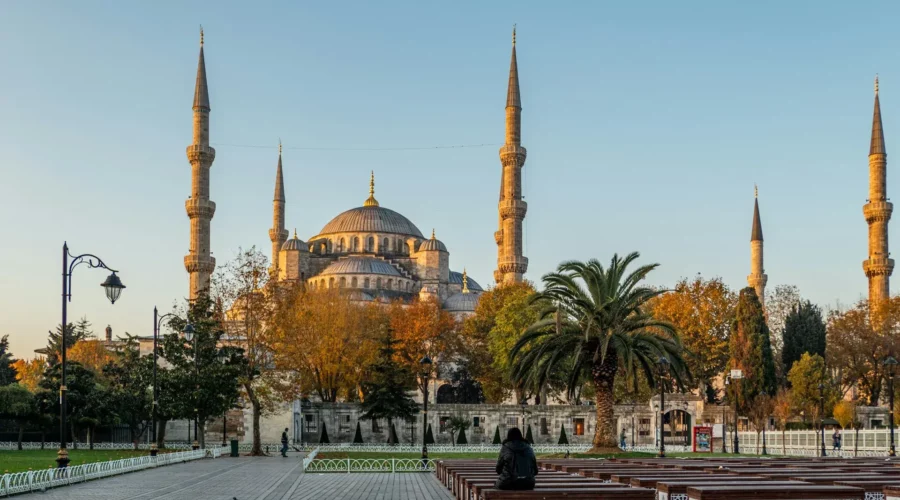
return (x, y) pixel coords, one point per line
(284, 442)
(516, 465)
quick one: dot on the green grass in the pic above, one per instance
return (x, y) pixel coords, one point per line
(19, 461)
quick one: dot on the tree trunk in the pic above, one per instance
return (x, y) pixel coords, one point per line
(256, 450)
(161, 433)
(201, 430)
(604, 375)
(43, 437)
(856, 441)
(783, 445)
(21, 434)
(90, 437)
(74, 438)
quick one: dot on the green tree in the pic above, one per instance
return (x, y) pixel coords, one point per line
(779, 303)
(750, 350)
(458, 425)
(357, 438)
(18, 405)
(81, 384)
(804, 331)
(387, 388)
(563, 439)
(811, 387)
(197, 365)
(497, 439)
(130, 381)
(7, 370)
(597, 325)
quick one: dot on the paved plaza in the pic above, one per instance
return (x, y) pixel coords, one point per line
(246, 478)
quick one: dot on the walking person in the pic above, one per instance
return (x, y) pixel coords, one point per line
(284, 443)
(622, 439)
(836, 440)
(516, 465)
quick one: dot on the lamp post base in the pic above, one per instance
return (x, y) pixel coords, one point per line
(892, 452)
(153, 450)
(195, 445)
(62, 458)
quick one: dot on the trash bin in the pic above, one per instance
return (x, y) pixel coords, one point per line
(234, 448)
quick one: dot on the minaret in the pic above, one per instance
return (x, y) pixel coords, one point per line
(511, 264)
(878, 267)
(278, 234)
(199, 263)
(757, 278)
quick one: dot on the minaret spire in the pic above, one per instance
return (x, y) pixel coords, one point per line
(200, 209)
(879, 266)
(278, 234)
(511, 263)
(757, 278)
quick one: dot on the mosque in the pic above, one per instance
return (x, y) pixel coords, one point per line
(372, 251)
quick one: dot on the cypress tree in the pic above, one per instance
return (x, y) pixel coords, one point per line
(497, 439)
(323, 439)
(528, 435)
(750, 349)
(562, 436)
(392, 435)
(804, 331)
(429, 437)
(357, 438)
(461, 439)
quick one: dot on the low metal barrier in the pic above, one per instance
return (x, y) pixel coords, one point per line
(391, 465)
(309, 458)
(441, 448)
(39, 480)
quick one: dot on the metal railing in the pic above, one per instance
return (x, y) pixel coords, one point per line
(440, 448)
(391, 465)
(869, 443)
(39, 480)
(309, 458)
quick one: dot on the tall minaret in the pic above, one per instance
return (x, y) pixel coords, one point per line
(199, 263)
(511, 264)
(757, 278)
(878, 267)
(278, 234)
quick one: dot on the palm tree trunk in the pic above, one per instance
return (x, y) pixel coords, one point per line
(161, 433)
(21, 434)
(604, 375)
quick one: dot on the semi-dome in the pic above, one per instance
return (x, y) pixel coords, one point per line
(457, 279)
(371, 219)
(295, 243)
(461, 302)
(361, 265)
(433, 244)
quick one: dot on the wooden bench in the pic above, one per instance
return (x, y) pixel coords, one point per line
(622, 493)
(667, 489)
(874, 488)
(769, 492)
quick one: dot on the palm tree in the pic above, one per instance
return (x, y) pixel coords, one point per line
(595, 326)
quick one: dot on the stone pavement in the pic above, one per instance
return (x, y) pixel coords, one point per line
(246, 478)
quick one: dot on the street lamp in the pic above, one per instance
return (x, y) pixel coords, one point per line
(891, 364)
(724, 414)
(426, 370)
(765, 421)
(736, 375)
(222, 356)
(822, 415)
(113, 287)
(663, 370)
(189, 335)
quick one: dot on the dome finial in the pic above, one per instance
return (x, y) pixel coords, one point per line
(371, 201)
(465, 288)
(201, 35)
(755, 191)
(295, 233)
(514, 35)
(876, 83)
(432, 233)
(279, 146)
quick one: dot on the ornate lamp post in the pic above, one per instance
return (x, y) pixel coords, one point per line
(663, 370)
(189, 336)
(724, 414)
(891, 364)
(426, 370)
(822, 415)
(765, 423)
(113, 286)
(222, 356)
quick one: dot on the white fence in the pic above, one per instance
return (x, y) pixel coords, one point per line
(39, 480)
(53, 445)
(440, 448)
(870, 443)
(391, 465)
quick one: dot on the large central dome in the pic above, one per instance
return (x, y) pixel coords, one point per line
(371, 219)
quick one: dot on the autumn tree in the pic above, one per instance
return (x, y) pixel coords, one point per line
(92, 354)
(804, 331)
(423, 328)
(845, 414)
(7, 370)
(750, 351)
(759, 413)
(29, 373)
(783, 412)
(811, 387)
(701, 310)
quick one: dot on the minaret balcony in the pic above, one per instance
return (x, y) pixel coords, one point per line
(199, 263)
(278, 235)
(513, 209)
(513, 264)
(878, 266)
(755, 280)
(878, 211)
(513, 151)
(199, 152)
(204, 209)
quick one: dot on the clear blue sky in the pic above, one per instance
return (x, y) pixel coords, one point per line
(646, 123)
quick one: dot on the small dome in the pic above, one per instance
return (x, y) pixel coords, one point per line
(457, 279)
(361, 265)
(433, 244)
(295, 243)
(461, 302)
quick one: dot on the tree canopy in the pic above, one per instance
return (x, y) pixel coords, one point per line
(750, 350)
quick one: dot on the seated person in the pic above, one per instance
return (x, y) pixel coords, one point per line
(516, 465)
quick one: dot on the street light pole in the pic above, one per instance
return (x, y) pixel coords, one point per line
(725, 415)
(736, 375)
(157, 321)
(189, 335)
(663, 368)
(766, 421)
(426, 370)
(113, 286)
(891, 364)
(822, 415)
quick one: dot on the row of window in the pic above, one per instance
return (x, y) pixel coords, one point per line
(355, 244)
(367, 283)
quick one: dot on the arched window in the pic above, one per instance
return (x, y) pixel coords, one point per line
(353, 282)
(370, 244)
(322, 248)
(387, 246)
(390, 284)
(400, 248)
(356, 243)
(366, 283)
(409, 286)
(341, 245)
(330, 282)
(378, 283)
(343, 282)
(322, 284)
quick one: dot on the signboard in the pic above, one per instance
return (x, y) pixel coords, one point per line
(703, 439)
(737, 374)
(718, 430)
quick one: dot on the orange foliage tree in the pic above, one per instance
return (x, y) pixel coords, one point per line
(29, 373)
(423, 328)
(92, 354)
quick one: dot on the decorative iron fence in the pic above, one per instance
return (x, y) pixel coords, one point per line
(391, 465)
(865, 443)
(39, 480)
(442, 448)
